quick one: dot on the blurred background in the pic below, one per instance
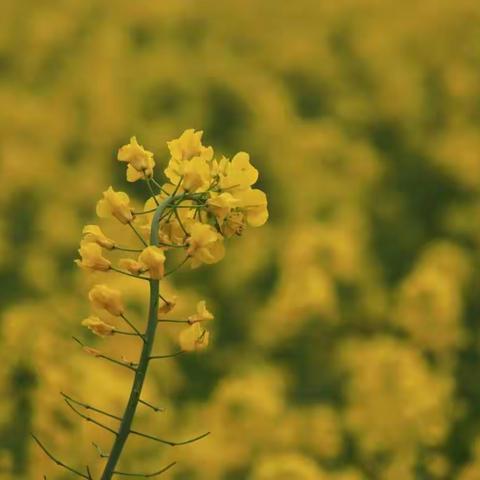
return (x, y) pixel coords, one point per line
(346, 343)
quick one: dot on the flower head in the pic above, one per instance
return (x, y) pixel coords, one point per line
(196, 175)
(194, 337)
(205, 244)
(98, 327)
(93, 233)
(253, 203)
(233, 224)
(202, 313)
(92, 258)
(153, 258)
(189, 145)
(106, 298)
(116, 204)
(131, 265)
(221, 205)
(167, 306)
(189, 158)
(140, 161)
(239, 174)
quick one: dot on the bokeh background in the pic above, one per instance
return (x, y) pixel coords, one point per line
(346, 343)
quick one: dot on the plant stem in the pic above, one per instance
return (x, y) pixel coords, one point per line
(141, 371)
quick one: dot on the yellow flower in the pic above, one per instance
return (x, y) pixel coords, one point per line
(140, 161)
(153, 259)
(233, 224)
(116, 204)
(92, 258)
(202, 313)
(131, 265)
(93, 233)
(196, 175)
(107, 298)
(239, 174)
(167, 306)
(193, 338)
(253, 204)
(221, 205)
(183, 149)
(205, 244)
(98, 327)
(171, 231)
(188, 146)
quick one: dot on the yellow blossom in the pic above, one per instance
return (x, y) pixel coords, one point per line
(253, 204)
(131, 265)
(167, 306)
(205, 244)
(116, 204)
(233, 224)
(193, 338)
(188, 146)
(107, 298)
(239, 173)
(153, 258)
(202, 313)
(196, 175)
(171, 231)
(221, 205)
(184, 149)
(140, 161)
(92, 258)
(98, 327)
(93, 233)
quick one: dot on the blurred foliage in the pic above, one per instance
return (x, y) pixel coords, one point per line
(346, 342)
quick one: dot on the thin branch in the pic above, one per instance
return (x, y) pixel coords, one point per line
(163, 298)
(179, 220)
(89, 473)
(172, 245)
(128, 274)
(151, 191)
(58, 462)
(145, 212)
(147, 475)
(153, 407)
(132, 226)
(86, 406)
(125, 249)
(132, 326)
(180, 265)
(168, 320)
(158, 186)
(89, 419)
(130, 334)
(97, 354)
(177, 186)
(168, 442)
(170, 355)
(101, 453)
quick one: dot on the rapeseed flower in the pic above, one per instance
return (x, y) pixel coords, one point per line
(116, 204)
(140, 161)
(104, 297)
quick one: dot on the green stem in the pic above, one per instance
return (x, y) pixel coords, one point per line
(141, 371)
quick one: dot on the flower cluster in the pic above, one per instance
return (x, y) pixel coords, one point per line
(207, 200)
(213, 199)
